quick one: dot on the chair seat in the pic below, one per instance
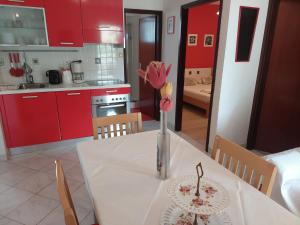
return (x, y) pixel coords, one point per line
(291, 195)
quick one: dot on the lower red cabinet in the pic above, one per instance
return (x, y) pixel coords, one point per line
(31, 118)
(75, 114)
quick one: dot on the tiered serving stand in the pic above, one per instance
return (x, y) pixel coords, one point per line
(197, 201)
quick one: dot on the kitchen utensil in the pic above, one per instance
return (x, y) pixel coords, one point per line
(54, 76)
(67, 76)
(77, 71)
(20, 70)
(12, 70)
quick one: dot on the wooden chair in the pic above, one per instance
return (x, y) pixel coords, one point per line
(245, 164)
(65, 196)
(117, 125)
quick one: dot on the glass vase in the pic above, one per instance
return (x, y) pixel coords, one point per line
(163, 148)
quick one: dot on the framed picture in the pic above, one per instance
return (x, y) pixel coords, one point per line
(171, 25)
(208, 40)
(192, 39)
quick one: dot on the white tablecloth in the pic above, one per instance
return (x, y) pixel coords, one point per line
(120, 177)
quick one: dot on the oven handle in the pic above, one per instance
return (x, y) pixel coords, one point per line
(111, 106)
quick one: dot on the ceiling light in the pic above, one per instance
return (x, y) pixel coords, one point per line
(218, 13)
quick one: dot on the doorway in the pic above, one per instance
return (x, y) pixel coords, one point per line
(143, 30)
(275, 121)
(197, 69)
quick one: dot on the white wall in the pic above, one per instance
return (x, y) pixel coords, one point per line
(235, 82)
(143, 4)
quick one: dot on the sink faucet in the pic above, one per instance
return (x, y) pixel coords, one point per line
(27, 71)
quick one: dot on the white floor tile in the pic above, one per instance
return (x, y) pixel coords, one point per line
(75, 173)
(35, 162)
(15, 176)
(81, 198)
(70, 156)
(33, 210)
(89, 219)
(12, 198)
(36, 182)
(51, 190)
(4, 187)
(6, 167)
(5, 221)
(67, 164)
(56, 217)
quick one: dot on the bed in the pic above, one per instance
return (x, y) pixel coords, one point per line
(197, 88)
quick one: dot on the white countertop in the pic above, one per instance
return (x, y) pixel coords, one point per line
(10, 89)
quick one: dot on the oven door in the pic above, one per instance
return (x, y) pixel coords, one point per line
(112, 109)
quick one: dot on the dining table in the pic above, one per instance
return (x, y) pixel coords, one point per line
(121, 179)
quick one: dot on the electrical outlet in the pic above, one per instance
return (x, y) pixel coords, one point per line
(35, 61)
(1, 61)
(97, 60)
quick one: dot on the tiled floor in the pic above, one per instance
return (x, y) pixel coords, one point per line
(28, 194)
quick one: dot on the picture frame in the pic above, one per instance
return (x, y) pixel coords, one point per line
(208, 40)
(192, 39)
(171, 25)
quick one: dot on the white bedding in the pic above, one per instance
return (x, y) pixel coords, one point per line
(201, 92)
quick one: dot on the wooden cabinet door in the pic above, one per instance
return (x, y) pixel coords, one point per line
(102, 21)
(32, 118)
(75, 114)
(64, 23)
(32, 3)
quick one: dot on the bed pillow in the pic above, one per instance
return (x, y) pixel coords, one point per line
(189, 81)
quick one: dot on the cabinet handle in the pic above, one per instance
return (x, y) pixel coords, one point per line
(19, 1)
(70, 94)
(30, 97)
(67, 43)
(113, 91)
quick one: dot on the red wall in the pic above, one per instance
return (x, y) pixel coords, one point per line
(202, 20)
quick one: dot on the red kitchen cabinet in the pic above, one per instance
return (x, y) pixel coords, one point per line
(31, 118)
(64, 23)
(32, 3)
(75, 114)
(4, 122)
(102, 21)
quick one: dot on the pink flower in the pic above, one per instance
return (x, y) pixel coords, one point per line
(156, 74)
(166, 104)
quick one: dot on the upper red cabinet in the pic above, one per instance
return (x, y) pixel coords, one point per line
(64, 23)
(32, 3)
(102, 21)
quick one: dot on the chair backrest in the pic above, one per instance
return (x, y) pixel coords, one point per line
(65, 196)
(118, 125)
(251, 168)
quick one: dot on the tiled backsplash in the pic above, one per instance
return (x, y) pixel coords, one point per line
(111, 63)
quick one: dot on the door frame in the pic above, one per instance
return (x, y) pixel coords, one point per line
(262, 72)
(182, 60)
(158, 48)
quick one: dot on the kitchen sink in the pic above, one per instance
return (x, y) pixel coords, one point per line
(32, 86)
